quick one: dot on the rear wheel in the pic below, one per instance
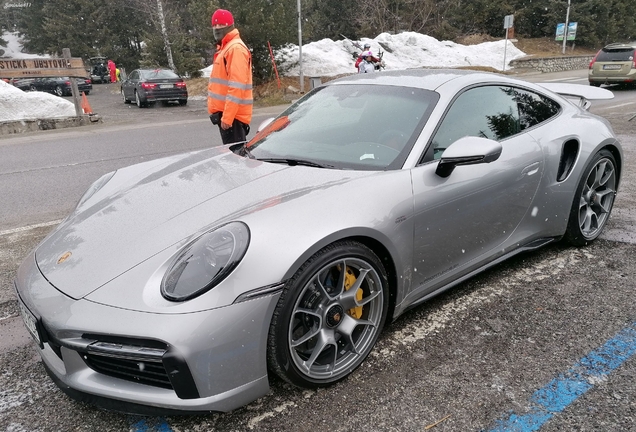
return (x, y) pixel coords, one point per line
(183, 102)
(138, 101)
(595, 84)
(329, 316)
(593, 201)
(59, 91)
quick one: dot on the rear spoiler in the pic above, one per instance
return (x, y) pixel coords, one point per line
(581, 93)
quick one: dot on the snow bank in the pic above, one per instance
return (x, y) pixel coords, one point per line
(18, 105)
(401, 51)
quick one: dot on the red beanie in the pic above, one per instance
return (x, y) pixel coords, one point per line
(222, 17)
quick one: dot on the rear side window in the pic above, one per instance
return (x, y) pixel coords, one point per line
(626, 54)
(533, 107)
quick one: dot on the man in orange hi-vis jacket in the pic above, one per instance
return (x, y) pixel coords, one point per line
(230, 85)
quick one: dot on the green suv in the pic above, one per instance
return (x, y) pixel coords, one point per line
(614, 64)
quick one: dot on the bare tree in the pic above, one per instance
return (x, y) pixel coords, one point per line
(155, 11)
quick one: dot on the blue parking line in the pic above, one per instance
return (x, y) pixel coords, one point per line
(567, 387)
(160, 425)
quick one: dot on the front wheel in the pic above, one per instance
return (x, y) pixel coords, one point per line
(123, 96)
(329, 316)
(593, 201)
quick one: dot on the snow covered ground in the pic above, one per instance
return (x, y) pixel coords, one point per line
(322, 58)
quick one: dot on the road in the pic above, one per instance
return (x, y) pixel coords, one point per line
(467, 359)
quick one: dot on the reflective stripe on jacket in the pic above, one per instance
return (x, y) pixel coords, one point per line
(230, 84)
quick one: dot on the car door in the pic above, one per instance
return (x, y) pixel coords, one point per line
(129, 84)
(461, 221)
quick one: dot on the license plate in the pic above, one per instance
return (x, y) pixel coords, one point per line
(165, 86)
(612, 67)
(30, 322)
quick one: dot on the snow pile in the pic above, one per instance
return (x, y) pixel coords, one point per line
(406, 50)
(18, 105)
(401, 51)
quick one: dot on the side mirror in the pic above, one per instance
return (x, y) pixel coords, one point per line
(264, 124)
(468, 151)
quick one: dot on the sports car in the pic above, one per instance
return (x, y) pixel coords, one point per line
(185, 284)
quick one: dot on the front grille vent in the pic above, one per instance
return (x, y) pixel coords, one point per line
(131, 363)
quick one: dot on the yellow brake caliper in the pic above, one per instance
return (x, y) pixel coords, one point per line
(350, 279)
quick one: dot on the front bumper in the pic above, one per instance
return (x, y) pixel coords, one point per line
(213, 360)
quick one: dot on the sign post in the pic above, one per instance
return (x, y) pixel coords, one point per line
(508, 23)
(66, 53)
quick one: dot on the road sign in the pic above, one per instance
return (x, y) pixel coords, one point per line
(508, 21)
(571, 31)
(43, 67)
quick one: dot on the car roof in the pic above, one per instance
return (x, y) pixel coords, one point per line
(427, 79)
(620, 46)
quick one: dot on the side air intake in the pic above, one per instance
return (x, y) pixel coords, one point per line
(568, 156)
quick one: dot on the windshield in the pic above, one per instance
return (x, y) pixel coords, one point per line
(348, 126)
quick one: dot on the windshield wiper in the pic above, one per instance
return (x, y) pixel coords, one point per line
(247, 152)
(294, 162)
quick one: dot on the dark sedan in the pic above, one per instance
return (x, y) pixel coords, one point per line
(147, 86)
(60, 86)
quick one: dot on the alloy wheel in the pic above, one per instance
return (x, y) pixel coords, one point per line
(336, 319)
(597, 198)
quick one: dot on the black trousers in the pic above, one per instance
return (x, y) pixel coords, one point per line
(237, 133)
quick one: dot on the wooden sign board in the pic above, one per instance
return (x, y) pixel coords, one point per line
(43, 67)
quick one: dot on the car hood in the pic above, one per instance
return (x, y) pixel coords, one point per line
(147, 208)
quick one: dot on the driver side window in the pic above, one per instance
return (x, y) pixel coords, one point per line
(487, 112)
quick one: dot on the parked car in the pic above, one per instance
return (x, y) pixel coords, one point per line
(614, 64)
(98, 70)
(179, 283)
(147, 86)
(60, 86)
(23, 84)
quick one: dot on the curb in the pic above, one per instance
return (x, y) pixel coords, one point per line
(31, 125)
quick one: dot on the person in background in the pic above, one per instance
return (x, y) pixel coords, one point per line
(112, 69)
(230, 86)
(367, 48)
(367, 64)
(118, 74)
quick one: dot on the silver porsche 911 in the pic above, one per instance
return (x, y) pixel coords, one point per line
(179, 284)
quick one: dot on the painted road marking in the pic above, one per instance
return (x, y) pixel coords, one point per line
(159, 425)
(30, 227)
(567, 387)
(616, 106)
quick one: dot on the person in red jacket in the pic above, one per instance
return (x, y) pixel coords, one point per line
(230, 86)
(113, 71)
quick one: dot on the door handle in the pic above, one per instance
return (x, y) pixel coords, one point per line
(531, 169)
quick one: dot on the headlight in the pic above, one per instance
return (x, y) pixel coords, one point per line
(97, 185)
(205, 262)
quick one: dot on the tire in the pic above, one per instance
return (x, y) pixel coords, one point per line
(87, 92)
(321, 330)
(32, 88)
(595, 84)
(593, 200)
(138, 101)
(123, 95)
(59, 91)
(183, 102)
